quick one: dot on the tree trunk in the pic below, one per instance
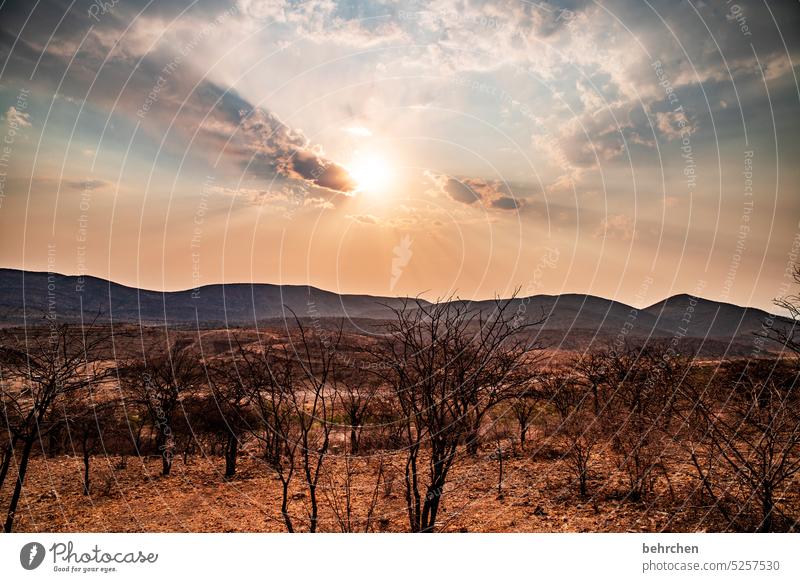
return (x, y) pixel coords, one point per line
(312, 492)
(500, 476)
(472, 440)
(165, 447)
(353, 440)
(7, 456)
(433, 496)
(166, 463)
(768, 505)
(23, 468)
(86, 484)
(285, 506)
(431, 506)
(230, 455)
(413, 502)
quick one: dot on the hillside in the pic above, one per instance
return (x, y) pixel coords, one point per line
(571, 321)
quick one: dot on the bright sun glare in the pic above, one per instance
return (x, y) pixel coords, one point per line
(372, 173)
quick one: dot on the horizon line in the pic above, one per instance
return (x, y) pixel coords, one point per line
(440, 300)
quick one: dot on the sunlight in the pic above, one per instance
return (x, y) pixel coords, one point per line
(372, 173)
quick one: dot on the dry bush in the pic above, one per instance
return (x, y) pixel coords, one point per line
(639, 416)
(446, 364)
(354, 510)
(746, 446)
(39, 371)
(159, 383)
(578, 432)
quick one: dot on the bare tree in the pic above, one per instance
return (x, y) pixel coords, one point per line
(579, 429)
(355, 394)
(89, 420)
(10, 438)
(751, 425)
(787, 335)
(444, 363)
(643, 383)
(291, 390)
(316, 356)
(38, 370)
(340, 491)
(228, 409)
(524, 409)
(591, 368)
(159, 384)
(268, 376)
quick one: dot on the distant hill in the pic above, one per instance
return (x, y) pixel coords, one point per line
(703, 318)
(238, 303)
(572, 321)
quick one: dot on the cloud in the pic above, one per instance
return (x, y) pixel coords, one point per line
(289, 152)
(461, 191)
(309, 165)
(16, 118)
(491, 194)
(285, 199)
(145, 81)
(617, 227)
(578, 65)
(364, 218)
(506, 203)
(672, 124)
(85, 185)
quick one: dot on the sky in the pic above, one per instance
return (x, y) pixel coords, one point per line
(628, 149)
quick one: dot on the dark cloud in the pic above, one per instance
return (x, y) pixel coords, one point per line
(490, 193)
(83, 185)
(506, 203)
(291, 153)
(460, 191)
(307, 165)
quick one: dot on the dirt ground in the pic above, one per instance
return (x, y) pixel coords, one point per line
(538, 495)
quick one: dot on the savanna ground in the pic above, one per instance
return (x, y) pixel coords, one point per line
(538, 494)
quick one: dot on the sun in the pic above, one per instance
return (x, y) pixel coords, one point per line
(372, 173)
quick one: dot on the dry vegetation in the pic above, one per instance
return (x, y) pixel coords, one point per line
(447, 420)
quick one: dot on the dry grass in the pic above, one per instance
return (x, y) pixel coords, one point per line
(538, 495)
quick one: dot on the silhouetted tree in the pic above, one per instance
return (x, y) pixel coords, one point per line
(749, 425)
(269, 378)
(444, 363)
(89, 420)
(159, 383)
(355, 393)
(642, 384)
(228, 409)
(39, 369)
(316, 357)
(787, 335)
(524, 408)
(578, 429)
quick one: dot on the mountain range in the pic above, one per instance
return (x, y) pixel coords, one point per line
(571, 321)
